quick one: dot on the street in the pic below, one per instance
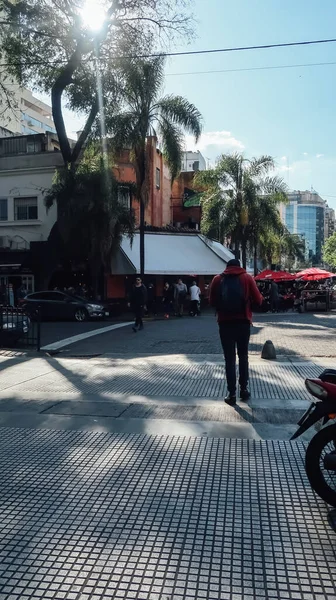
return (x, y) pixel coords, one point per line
(125, 475)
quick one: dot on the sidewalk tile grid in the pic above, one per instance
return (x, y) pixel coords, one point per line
(93, 516)
(267, 380)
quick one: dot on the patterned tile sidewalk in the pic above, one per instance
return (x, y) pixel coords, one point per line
(90, 516)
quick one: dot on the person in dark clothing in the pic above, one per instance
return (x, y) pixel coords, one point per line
(234, 316)
(151, 299)
(167, 299)
(274, 297)
(138, 303)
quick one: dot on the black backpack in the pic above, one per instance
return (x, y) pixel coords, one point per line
(231, 298)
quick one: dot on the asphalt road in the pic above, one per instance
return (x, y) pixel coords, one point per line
(292, 334)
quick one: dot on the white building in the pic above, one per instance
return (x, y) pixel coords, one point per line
(27, 167)
(193, 161)
(26, 114)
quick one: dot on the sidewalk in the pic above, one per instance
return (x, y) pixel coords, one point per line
(125, 476)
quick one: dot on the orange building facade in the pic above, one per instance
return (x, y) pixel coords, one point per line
(158, 210)
(165, 207)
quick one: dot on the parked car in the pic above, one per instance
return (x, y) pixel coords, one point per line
(60, 306)
(13, 326)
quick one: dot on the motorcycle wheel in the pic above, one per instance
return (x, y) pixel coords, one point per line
(321, 479)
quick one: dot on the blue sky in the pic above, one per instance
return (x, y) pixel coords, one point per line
(288, 113)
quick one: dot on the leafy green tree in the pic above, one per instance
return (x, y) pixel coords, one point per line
(246, 199)
(329, 251)
(47, 45)
(145, 113)
(92, 217)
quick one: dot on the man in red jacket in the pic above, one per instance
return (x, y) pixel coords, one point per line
(232, 294)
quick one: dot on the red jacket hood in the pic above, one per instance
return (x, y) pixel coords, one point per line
(234, 271)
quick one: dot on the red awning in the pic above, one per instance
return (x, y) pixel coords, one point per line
(269, 275)
(314, 274)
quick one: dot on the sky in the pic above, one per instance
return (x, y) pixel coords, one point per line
(288, 113)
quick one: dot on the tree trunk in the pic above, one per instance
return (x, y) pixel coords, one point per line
(142, 239)
(244, 257)
(255, 258)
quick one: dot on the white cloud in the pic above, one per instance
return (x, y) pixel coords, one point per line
(222, 140)
(283, 168)
(305, 153)
(319, 155)
(284, 158)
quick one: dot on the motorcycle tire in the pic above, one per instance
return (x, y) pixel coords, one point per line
(314, 464)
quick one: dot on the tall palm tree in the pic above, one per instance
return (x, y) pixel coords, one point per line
(246, 191)
(142, 113)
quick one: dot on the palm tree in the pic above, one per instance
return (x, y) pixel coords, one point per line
(92, 217)
(144, 113)
(246, 192)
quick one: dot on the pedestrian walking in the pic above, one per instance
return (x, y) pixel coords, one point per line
(167, 299)
(151, 299)
(195, 298)
(232, 293)
(138, 303)
(180, 296)
(274, 297)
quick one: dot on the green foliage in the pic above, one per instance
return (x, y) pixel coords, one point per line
(91, 219)
(329, 251)
(143, 113)
(240, 200)
(48, 47)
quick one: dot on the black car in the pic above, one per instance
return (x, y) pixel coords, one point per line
(55, 305)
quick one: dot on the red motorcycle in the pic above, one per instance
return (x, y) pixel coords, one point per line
(321, 451)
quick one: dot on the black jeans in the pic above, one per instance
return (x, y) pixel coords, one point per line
(194, 307)
(138, 312)
(235, 335)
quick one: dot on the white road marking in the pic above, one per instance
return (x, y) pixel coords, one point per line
(83, 336)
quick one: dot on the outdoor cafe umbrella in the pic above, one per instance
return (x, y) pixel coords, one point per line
(269, 275)
(314, 274)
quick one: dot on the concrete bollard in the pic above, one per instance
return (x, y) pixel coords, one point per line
(268, 351)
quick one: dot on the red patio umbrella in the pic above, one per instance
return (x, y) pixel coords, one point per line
(269, 275)
(314, 274)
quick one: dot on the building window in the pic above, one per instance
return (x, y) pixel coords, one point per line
(124, 196)
(25, 209)
(3, 209)
(158, 178)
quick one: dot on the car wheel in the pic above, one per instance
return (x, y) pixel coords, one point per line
(80, 315)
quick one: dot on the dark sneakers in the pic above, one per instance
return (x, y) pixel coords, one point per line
(230, 399)
(244, 394)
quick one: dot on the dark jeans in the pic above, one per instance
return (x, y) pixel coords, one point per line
(275, 302)
(194, 307)
(235, 335)
(138, 313)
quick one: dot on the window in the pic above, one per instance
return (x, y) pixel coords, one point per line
(25, 209)
(124, 196)
(3, 209)
(158, 178)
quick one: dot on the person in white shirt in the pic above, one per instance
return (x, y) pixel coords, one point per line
(195, 297)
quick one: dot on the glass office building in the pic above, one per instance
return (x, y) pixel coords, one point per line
(304, 215)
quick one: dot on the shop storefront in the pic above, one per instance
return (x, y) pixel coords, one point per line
(168, 256)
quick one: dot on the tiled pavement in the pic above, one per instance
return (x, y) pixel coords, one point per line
(89, 516)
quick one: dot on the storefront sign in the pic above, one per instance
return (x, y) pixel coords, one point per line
(191, 198)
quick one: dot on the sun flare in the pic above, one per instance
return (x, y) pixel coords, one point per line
(93, 14)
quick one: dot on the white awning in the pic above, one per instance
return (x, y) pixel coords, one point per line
(173, 254)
